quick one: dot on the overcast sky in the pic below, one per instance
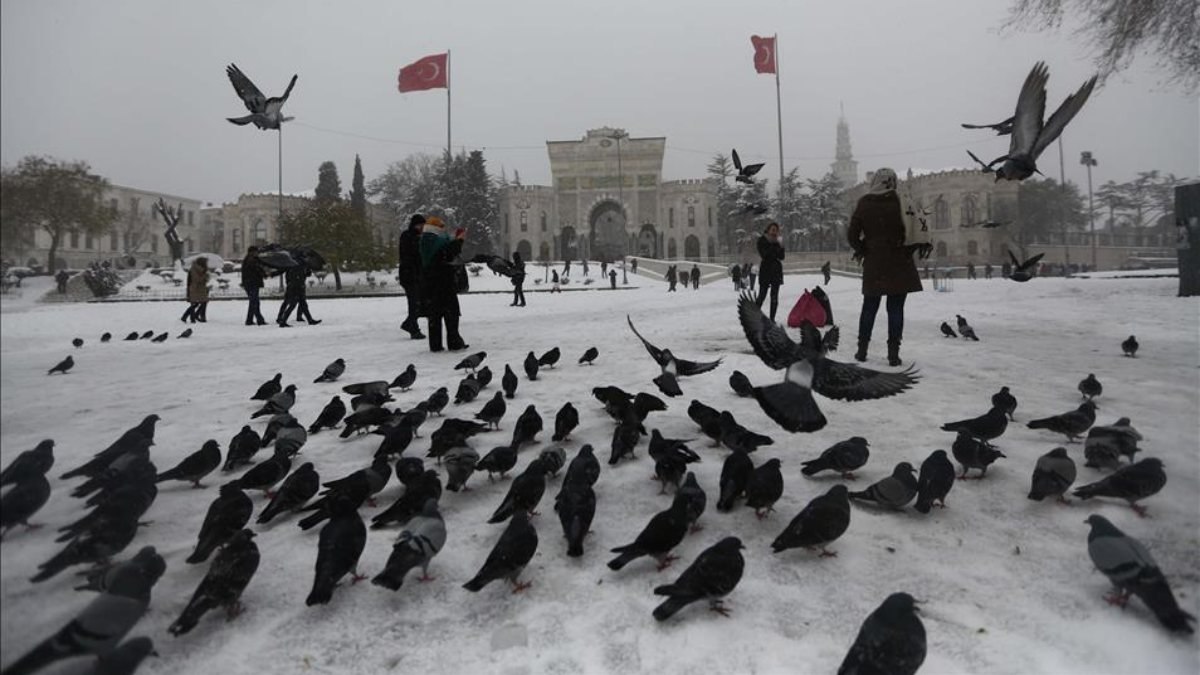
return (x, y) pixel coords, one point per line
(138, 89)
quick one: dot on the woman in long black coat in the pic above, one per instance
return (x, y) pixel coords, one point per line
(439, 284)
(877, 235)
(770, 270)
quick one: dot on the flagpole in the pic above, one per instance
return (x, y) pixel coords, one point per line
(448, 146)
(779, 120)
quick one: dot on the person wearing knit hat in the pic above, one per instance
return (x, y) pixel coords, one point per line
(410, 274)
(439, 285)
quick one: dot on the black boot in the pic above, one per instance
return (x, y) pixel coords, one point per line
(894, 353)
(435, 334)
(861, 354)
(454, 341)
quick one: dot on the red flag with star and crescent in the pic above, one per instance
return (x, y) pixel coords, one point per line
(427, 73)
(764, 54)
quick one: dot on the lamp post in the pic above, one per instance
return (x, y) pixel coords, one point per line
(1086, 159)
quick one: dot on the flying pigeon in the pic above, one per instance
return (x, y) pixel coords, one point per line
(589, 356)
(227, 578)
(1030, 136)
(265, 113)
(1132, 483)
(332, 371)
(1071, 424)
(147, 335)
(845, 457)
(1052, 475)
(745, 174)
(416, 546)
(934, 482)
(671, 367)
(196, 465)
(509, 556)
(894, 491)
(891, 640)
(1129, 347)
(819, 524)
(63, 366)
(713, 575)
(1023, 271)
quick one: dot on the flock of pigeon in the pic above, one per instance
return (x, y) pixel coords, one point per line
(68, 363)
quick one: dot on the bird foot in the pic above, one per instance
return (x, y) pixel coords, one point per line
(270, 494)
(1063, 500)
(1140, 510)
(197, 485)
(425, 578)
(718, 607)
(534, 513)
(233, 611)
(33, 526)
(849, 475)
(695, 528)
(940, 504)
(666, 561)
(763, 513)
(141, 523)
(1118, 598)
(355, 577)
(519, 587)
(371, 502)
(825, 553)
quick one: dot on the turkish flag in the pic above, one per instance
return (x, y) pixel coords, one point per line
(764, 53)
(427, 73)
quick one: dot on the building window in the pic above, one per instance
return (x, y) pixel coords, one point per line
(972, 248)
(191, 246)
(112, 240)
(88, 243)
(524, 221)
(691, 216)
(236, 237)
(74, 240)
(970, 211)
(941, 215)
(671, 217)
(112, 203)
(543, 221)
(260, 232)
(134, 203)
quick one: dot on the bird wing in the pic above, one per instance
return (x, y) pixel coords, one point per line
(830, 342)
(751, 169)
(655, 352)
(1031, 106)
(1058, 121)
(684, 367)
(848, 382)
(250, 95)
(737, 162)
(769, 340)
(1028, 264)
(1002, 128)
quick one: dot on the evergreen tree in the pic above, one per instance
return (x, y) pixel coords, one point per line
(1044, 208)
(329, 187)
(720, 170)
(358, 193)
(337, 233)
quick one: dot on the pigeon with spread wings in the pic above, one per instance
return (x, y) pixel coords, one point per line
(790, 403)
(745, 174)
(265, 113)
(672, 367)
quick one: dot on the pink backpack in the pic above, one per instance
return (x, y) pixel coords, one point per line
(807, 308)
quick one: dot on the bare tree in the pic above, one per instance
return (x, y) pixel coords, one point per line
(171, 216)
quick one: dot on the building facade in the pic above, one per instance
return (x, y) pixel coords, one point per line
(608, 200)
(252, 220)
(844, 166)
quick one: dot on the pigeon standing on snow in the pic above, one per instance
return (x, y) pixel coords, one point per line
(974, 454)
(575, 506)
(1004, 400)
(339, 547)
(565, 421)
(418, 490)
(527, 426)
(584, 467)
(947, 331)
(508, 382)
(242, 447)
(1090, 387)
(226, 516)
(269, 388)
(1052, 475)
(894, 491)
(553, 458)
(844, 457)
(437, 401)
(740, 384)
(196, 465)
(77, 343)
(1071, 424)
(471, 362)
(416, 546)
(483, 376)
(1130, 346)
(891, 640)
(531, 366)
(29, 464)
(231, 572)
(549, 358)
(493, 410)
(713, 575)
(187, 333)
(264, 475)
(20, 503)
(332, 371)
(279, 403)
(1132, 570)
(988, 426)
(820, 523)
(524, 493)
(934, 482)
(106, 337)
(161, 337)
(330, 416)
(404, 381)
(1105, 445)
(694, 498)
(589, 356)
(63, 366)
(1132, 483)
(672, 368)
(662, 534)
(100, 539)
(295, 492)
(764, 488)
(460, 464)
(735, 475)
(509, 556)
(737, 437)
(624, 441)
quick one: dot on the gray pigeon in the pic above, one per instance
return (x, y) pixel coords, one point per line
(843, 457)
(279, 403)
(713, 575)
(1052, 476)
(1131, 569)
(102, 576)
(332, 371)
(460, 463)
(894, 491)
(468, 389)
(265, 113)
(1132, 483)
(471, 362)
(973, 454)
(196, 465)
(1071, 424)
(1105, 445)
(28, 464)
(1090, 387)
(891, 640)
(820, 523)
(424, 536)
(228, 577)
(553, 459)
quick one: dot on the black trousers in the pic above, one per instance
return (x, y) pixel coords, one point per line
(412, 296)
(254, 308)
(763, 289)
(895, 312)
(519, 294)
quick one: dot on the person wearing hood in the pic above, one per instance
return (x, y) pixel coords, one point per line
(439, 286)
(197, 292)
(877, 235)
(410, 274)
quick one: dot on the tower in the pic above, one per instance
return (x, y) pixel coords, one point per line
(844, 166)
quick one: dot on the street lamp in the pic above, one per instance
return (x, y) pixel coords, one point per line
(1086, 159)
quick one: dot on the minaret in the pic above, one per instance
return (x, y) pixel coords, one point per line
(845, 168)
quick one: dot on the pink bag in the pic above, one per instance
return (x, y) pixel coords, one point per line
(807, 308)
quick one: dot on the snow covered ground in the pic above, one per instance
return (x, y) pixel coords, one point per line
(1006, 582)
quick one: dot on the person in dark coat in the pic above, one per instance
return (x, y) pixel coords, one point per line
(987, 271)
(736, 273)
(439, 285)
(695, 277)
(518, 280)
(1005, 270)
(877, 235)
(302, 313)
(252, 283)
(410, 274)
(612, 279)
(635, 265)
(770, 270)
(61, 279)
(672, 278)
(971, 270)
(554, 287)
(197, 291)
(293, 279)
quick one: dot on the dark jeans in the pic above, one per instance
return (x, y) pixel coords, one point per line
(412, 296)
(453, 339)
(895, 312)
(291, 300)
(519, 294)
(773, 289)
(196, 311)
(254, 309)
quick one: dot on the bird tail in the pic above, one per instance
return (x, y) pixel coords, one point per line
(813, 466)
(401, 562)
(1043, 423)
(191, 615)
(924, 503)
(558, 437)
(312, 521)
(203, 550)
(575, 534)
(347, 430)
(320, 378)
(241, 121)
(503, 513)
(260, 413)
(322, 592)
(53, 566)
(170, 474)
(1087, 491)
(44, 654)
(864, 495)
(482, 579)
(314, 427)
(627, 556)
(791, 406)
(672, 604)
(728, 494)
(1158, 597)
(268, 513)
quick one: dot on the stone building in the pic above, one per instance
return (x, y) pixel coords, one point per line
(608, 199)
(253, 220)
(844, 166)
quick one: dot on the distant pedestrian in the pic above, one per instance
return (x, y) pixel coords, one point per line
(302, 313)
(970, 270)
(603, 268)
(770, 251)
(987, 271)
(585, 266)
(197, 291)
(672, 278)
(695, 277)
(61, 279)
(409, 250)
(567, 268)
(518, 280)
(252, 283)
(1005, 270)
(612, 279)
(635, 265)
(554, 287)
(736, 273)
(751, 274)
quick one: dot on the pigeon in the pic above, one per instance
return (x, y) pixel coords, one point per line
(279, 403)
(20, 503)
(100, 540)
(713, 575)
(1005, 401)
(1129, 347)
(745, 173)
(395, 440)
(707, 418)
(740, 384)
(765, 488)
(227, 578)
(101, 625)
(373, 387)
(121, 468)
(416, 493)
(63, 366)
(934, 482)
(565, 421)
(845, 457)
(361, 421)
(437, 401)
(125, 658)
(404, 381)
(575, 506)
(187, 333)
(161, 337)
(422, 539)
(410, 470)
(735, 475)
(196, 465)
(291, 437)
(1072, 424)
(988, 426)
(1090, 387)
(663, 533)
(227, 515)
(452, 434)
(669, 470)
(330, 415)
(1105, 445)
(827, 272)
(499, 460)
(339, 547)
(1133, 571)
(106, 337)
(293, 494)
(508, 382)
(624, 441)
(819, 524)
(553, 458)
(128, 501)
(147, 335)
(1030, 135)
(549, 358)
(269, 388)
(584, 467)
(267, 473)
(528, 425)
(1132, 483)
(1052, 475)
(738, 438)
(524, 493)
(531, 366)
(509, 556)
(673, 447)
(589, 356)
(29, 464)
(493, 410)
(265, 113)
(1001, 128)
(471, 362)
(332, 371)
(694, 498)
(947, 331)
(460, 463)
(77, 343)
(891, 640)
(894, 491)
(672, 368)
(1022, 271)
(362, 485)
(132, 336)
(973, 454)
(468, 389)
(968, 333)
(790, 403)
